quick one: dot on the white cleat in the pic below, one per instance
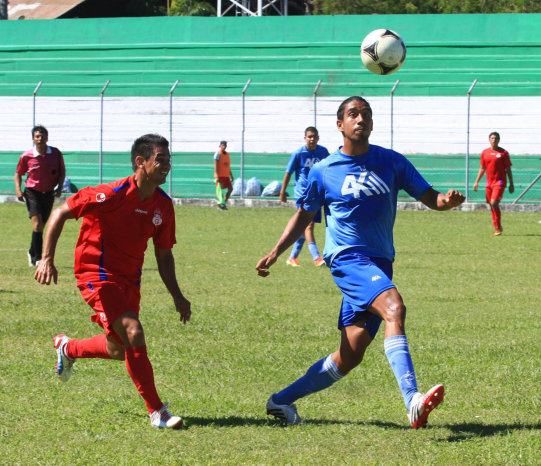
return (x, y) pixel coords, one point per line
(64, 364)
(422, 405)
(286, 413)
(162, 419)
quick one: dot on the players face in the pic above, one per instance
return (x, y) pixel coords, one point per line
(311, 138)
(494, 140)
(158, 165)
(357, 124)
(40, 140)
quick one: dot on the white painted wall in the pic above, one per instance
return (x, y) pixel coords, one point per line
(426, 125)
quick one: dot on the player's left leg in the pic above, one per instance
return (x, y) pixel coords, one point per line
(129, 329)
(219, 195)
(312, 246)
(496, 214)
(390, 307)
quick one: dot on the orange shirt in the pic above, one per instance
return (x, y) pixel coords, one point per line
(224, 164)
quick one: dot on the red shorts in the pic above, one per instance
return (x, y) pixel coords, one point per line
(494, 192)
(225, 182)
(110, 300)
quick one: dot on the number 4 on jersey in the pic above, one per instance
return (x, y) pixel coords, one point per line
(369, 185)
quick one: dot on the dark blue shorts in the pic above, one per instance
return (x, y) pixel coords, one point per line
(361, 280)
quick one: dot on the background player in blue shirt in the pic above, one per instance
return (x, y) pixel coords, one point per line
(300, 163)
(358, 187)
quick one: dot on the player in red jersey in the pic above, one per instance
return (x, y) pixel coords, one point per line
(496, 163)
(118, 220)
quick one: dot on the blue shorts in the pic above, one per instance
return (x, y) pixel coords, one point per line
(361, 280)
(317, 217)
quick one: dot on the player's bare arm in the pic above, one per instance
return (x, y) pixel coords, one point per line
(510, 178)
(479, 176)
(439, 201)
(294, 229)
(285, 182)
(166, 268)
(46, 270)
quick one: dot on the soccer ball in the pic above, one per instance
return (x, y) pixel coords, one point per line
(383, 51)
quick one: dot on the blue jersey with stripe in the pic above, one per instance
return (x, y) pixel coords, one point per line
(300, 162)
(359, 195)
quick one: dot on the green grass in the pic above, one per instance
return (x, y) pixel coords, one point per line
(473, 324)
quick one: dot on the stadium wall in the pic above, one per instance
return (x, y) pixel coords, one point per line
(213, 58)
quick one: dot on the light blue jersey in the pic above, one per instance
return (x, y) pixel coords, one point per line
(301, 161)
(359, 195)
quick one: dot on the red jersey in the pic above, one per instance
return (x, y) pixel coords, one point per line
(495, 161)
(116, 228)
(44, 170)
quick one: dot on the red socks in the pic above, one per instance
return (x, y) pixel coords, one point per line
(141, 373)
(95, 347)
(496, 217)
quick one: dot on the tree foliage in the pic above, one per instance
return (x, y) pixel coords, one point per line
(370, 7)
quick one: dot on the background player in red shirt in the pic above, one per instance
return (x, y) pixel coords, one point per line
(497, 164)
(118, 220)
(45, 168)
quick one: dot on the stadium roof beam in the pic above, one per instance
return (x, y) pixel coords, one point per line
(251, 7)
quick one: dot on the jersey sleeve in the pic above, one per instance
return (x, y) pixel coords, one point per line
(483, 161)
(91, 199)
(217, 156)
(313, 196)
(293, 163)
(22, 166)
(165, 238)
(507, 159)
(411, 180)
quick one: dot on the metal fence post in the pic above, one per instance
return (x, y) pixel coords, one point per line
(527, 189)
(467, 188)
(101, 129)
(171, 136)
(392, 110)
(242, 140)
(315, 107)
(34, 103)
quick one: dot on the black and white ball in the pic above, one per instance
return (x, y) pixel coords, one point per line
(383, 51)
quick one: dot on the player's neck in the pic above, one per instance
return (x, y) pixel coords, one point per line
(355, 148)
(145, 187)
(41, 148)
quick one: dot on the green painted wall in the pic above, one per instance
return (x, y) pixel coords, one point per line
(283, 56)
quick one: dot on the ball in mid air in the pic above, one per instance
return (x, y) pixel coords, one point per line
(383, 51)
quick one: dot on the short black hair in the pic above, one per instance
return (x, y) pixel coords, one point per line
(223, 142)
(144, 146)
(342, 108)
(494, 133)
(312, 129)
(41, 129)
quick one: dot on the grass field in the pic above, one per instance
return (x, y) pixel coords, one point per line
(473, 324)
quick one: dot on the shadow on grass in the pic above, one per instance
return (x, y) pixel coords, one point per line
(470, 430)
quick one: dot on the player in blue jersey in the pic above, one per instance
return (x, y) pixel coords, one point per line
(300, 163)
(358, 188)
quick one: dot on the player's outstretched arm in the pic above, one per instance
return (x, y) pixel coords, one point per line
(166, 267)
(479, 176)
(285, 182)
(46, 271)
(439, 201)
(294, 229)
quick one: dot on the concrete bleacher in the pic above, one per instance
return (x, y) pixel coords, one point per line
(193, 173)
(213, 58)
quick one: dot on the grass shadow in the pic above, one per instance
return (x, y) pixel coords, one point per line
(468, 430)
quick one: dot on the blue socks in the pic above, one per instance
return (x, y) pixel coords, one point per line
(397, 352)
(321, 375)
(312, 247)
(297, 247)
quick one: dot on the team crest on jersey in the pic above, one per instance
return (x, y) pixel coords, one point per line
(157, 218)
(100, 197)
(367, 182)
